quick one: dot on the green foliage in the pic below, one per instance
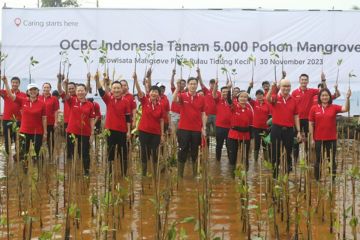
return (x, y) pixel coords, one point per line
(3, 56)
(33, 61)
(339, 62)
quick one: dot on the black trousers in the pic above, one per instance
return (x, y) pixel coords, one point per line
(50, 139)
(69, 143)
(117, 142)
(325, 149)
(83, 151)
(304, 128)
(221, 137)
(234, 146)
(281, 137)
(149, 144)
(257, 138)
(8, 127)
(188, 141)
(35, 139)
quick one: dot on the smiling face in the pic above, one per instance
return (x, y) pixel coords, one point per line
(285, 87)
(33, 92)
(304, 81)
(182, 85)
(243, 97)
(15, 84)
(260, 97)
(192, 86)
(325, 97)
(154, 95)
(224, 92)
(116, 90)
(236, 92)
(124, 86)
(81, 92)
(71, 89)
(266, 86)
(46, 89)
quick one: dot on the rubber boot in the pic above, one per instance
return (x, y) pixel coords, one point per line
(256, 155)
(181, 167)
(232, 170)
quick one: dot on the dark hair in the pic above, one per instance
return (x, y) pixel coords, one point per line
(328, 92)
(320, 85)
(236, 88)
(259, 92)
(116, 82)
(225, 87)
(90, 99)
(55, 93)
(191, 79)
(71, 83)
(265, 82)
(212, 81)
(304, 75)
(155, 88)
(15, 79)
(46, 83)
(124, 82)
(81, 85)
(183, 80)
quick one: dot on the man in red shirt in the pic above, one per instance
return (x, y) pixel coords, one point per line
(191, 124)
(285, 116)
(97, 115)
(71, 90)
(210, 106)
(175, 107)
(304, 98)
(223, 120)
(130, 98)
(11, 112)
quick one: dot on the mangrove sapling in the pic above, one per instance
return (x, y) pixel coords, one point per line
(32, 63)
(351, 75)
(252, 59)
(275, 57)
(338, 63)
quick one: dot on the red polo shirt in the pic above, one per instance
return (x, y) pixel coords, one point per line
(51, 105)
(151, 115)
(304, 99)
(175, 107)
(11, 108)
(261, 114)
(116, 111)
(166, 107)
(32, 114)
(324, 119)
(66, 107)
(240, 117)
(223, 113)
(130, 98)
(283, 111)
(191, 109)
(80, 115)
(210, 106)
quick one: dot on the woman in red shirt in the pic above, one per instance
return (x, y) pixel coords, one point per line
(33, 122)
(81, 123)
(239, 133)
(151, 126)
(52, 109)
(117, 121)
(261, 115)
(322, 128)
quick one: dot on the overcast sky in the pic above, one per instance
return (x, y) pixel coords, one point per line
(265, 4)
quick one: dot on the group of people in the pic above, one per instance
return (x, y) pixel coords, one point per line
(227, 113)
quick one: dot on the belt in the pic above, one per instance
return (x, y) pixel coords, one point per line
(241, 129)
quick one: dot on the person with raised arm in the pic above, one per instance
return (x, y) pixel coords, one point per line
(323, 131)
(81, 123)
(175, 107)
(33, 121)
(192, 123)
(223, 119)
(151, 126)
(117, 121)
(285, 117)
(52, 111)
(11, 114)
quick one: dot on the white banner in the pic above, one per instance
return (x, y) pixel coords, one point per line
(298, 37)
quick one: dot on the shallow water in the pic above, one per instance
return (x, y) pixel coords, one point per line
(136, 219)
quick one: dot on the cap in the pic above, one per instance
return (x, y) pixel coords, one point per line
(32, 85)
